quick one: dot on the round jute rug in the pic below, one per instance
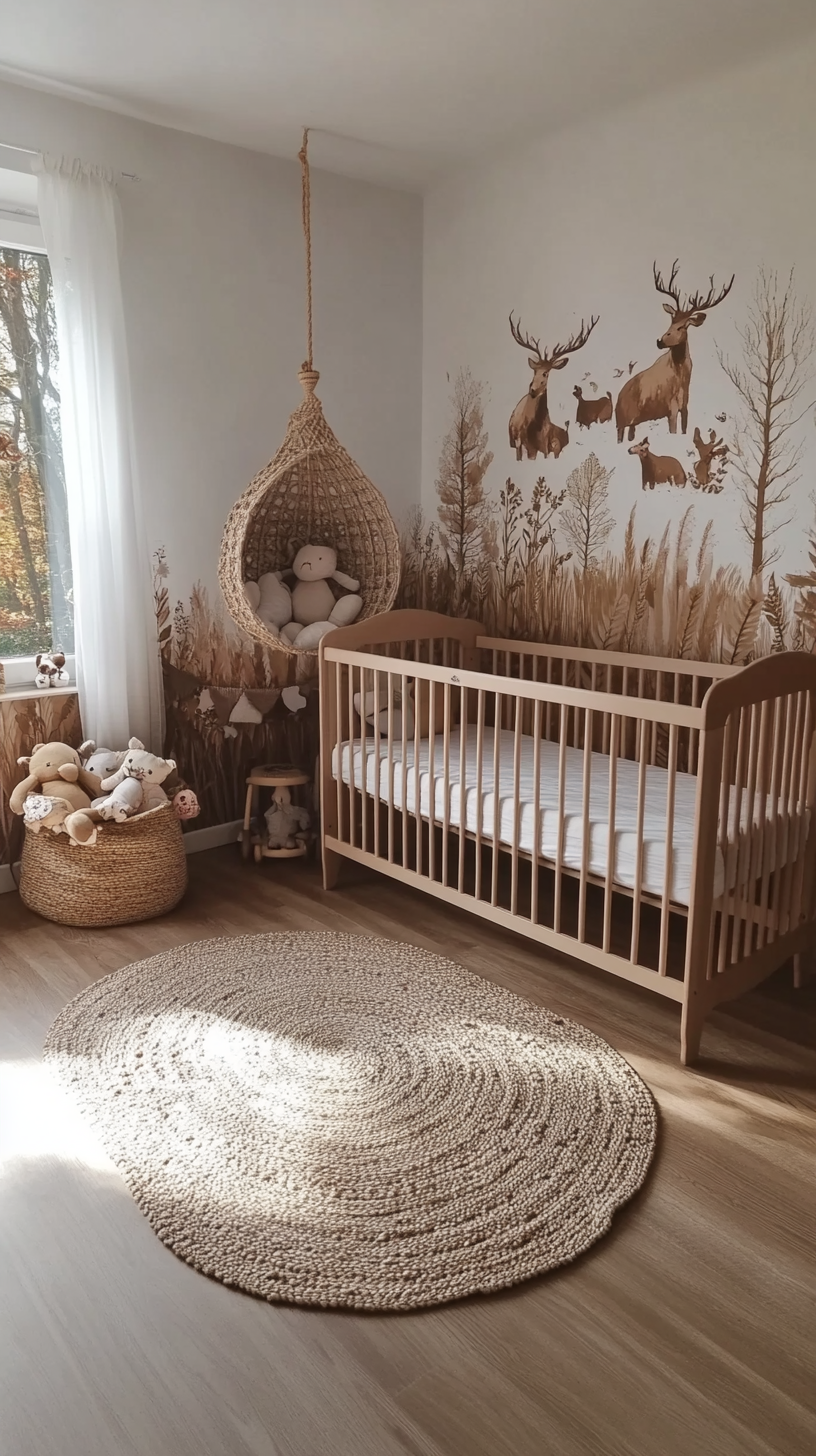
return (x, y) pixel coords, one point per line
(337, 1120)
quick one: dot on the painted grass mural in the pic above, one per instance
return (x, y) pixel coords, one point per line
(540, 567)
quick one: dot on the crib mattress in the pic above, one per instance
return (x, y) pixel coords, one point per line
(777, 849)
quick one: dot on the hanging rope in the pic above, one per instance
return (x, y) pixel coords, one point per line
(303, 155)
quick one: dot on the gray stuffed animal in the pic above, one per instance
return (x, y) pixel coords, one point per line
(286, 823)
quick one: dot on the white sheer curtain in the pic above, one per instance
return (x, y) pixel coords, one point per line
(118, 667)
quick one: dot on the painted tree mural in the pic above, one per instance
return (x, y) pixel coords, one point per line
(464, 509)
(771, 380)
(586, 519)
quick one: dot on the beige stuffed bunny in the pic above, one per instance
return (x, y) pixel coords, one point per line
(314, 609)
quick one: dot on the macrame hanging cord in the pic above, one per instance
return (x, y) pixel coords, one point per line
(306, 207)
(310, 492)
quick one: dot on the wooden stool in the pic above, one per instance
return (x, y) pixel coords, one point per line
(269, 776)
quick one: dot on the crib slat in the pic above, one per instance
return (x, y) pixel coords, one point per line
(536, 810)
(800, 810)
(390, 753)
(364, 774)
(790, 797)
(642, 753)
(494, 860)
(743, 888)
(463, 721)
(431, 687)
(559, 851)
(338, 715)
(480, 724)
(766, 931)
(418, 687)
(732, 858)
(446, 730)
(787, 754)
(668, 852)
(352, 774)
(404, 769)
(758, 831)
(694, 733)
(514, 850)
(377, 765)
(614, 745)
(549, 705)
(586, 789)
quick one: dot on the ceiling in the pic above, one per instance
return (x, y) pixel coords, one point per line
(397, 90)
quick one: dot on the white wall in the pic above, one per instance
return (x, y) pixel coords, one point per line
(721, 175)
(213, 281)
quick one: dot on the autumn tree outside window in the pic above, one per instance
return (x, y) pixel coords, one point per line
(35, 566)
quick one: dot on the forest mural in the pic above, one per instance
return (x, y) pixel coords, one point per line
(230, 703)
(537, 558)
(24, 722)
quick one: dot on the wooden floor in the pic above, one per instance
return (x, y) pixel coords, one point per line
(689, 1331)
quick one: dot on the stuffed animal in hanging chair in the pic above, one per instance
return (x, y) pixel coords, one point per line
(306, 613)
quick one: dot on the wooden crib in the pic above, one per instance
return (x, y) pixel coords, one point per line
(651, 816)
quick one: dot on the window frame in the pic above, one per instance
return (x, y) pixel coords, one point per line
(20, 671)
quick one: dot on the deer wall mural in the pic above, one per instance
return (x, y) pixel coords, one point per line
(531, 430)
(661, 392)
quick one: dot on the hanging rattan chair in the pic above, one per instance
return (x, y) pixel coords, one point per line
(312, 492)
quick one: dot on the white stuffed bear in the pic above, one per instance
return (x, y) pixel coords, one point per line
(270, 599)
(136, 786)
(315, 611)
(286, 823)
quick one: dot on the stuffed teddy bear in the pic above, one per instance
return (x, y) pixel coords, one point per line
(56, 771)
(50, 669)
(270, 599)
(136, 786)
(286, 823)
(314, 609)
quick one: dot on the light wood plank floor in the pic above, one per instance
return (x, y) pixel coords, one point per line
(689, 1331)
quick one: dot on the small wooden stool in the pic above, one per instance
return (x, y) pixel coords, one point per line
(269, 776)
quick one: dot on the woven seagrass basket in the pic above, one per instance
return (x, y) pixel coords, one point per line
(135, 871)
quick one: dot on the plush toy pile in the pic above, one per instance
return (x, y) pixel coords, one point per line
(307, 611)
(74, 792)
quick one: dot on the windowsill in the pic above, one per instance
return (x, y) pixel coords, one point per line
(19, 692)
(20, 673)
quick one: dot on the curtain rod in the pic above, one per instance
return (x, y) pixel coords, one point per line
(32, 152)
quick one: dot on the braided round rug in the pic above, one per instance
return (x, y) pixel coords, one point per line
(336, 1120)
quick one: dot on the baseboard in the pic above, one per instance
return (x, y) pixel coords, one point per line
(7, 880)
(197, 839)
(194, 841)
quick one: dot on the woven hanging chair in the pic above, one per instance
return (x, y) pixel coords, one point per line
(311, 493)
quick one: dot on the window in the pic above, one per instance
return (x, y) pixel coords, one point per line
(35, 566)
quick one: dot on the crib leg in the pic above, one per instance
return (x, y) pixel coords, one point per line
(691, 1029)
(331, 868)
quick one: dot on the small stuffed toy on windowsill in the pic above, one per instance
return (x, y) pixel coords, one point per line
(51, 669)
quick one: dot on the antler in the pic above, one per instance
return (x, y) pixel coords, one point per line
(671, 291)
(696, 304)
(526, 342)
(575, 341)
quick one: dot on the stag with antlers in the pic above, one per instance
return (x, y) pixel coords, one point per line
(661, 392)
(531, 429)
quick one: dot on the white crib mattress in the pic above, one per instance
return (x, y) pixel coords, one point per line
(778, 847)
